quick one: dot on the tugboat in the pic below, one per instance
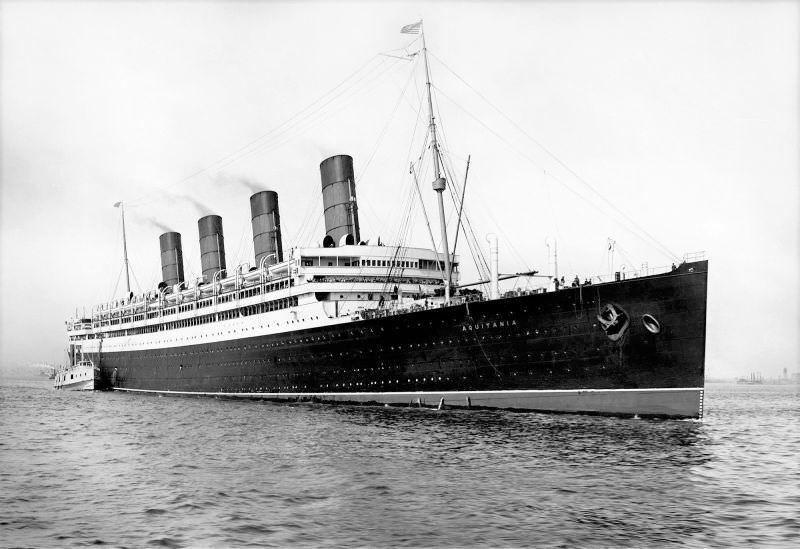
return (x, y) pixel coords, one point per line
(354, 322)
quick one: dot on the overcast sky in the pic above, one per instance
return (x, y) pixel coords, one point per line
(671, 127)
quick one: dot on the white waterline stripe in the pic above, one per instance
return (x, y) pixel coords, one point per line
(417, 393)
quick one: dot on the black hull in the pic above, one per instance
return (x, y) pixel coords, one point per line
(541, 344)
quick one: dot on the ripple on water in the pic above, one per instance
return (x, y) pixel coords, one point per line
(134, 471)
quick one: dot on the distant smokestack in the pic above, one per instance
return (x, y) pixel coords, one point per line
(339, 200)
(266, 221)
(212, 245)
(171, 258)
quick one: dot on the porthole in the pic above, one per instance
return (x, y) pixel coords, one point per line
(651, 324)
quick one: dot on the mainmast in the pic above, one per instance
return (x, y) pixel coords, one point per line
(121, 206)
(439, 184)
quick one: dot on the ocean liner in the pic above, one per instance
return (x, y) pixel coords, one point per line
(354, 322)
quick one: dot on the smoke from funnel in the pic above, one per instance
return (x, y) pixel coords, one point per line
(231, 180)
(252, 186)
(158, 225)
(201, 208)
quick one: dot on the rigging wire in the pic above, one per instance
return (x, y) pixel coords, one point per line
(116, 239)
(313, 119)
(425, 213)
(461, 207)
(308, 229)
(304, 225)
(382, 134)
(243, 232)
(359, 177)
(405, 223)
(623, 252)
(547, 173)
(362, 172)
(419, 111)
(476, 251)
(498, 226)
(116, 285)
(139, 286)
(282, 128)
(454, 189)
(312, 206)
(552, 155)
(419, 114)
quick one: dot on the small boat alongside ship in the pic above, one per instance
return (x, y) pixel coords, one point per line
(353, 322)
(81, 376)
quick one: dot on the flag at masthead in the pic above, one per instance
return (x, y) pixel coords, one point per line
(413, 28)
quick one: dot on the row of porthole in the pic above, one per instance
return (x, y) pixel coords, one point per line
(409, 380)
(397, 381)
(648, 321)
(305, 387)
(330, 354)
(546, 355)
(351, 332)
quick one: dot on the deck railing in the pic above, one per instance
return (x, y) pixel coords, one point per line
(156, 303)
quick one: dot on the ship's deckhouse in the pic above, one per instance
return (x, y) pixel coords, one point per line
(411, 269)
(377, 257)
(343, 280)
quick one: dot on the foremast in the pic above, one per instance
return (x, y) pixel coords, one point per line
(440, 183)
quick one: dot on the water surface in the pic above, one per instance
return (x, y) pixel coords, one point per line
(129, 470)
